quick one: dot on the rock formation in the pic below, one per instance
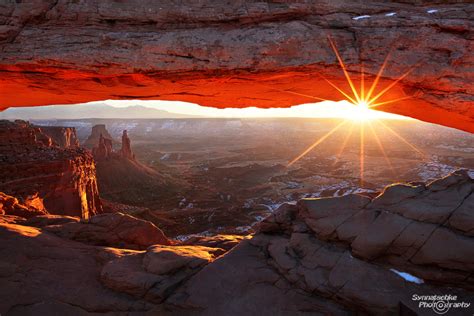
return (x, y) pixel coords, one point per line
(103, 150)
(97, 132)
(123, 179)
(64, 137)
(34, 170)
(10, 205)
(101, 144)
(126, 149)
(329, 256)
(240, 53)
(112, 230)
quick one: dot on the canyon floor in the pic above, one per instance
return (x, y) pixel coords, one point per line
(225, 175)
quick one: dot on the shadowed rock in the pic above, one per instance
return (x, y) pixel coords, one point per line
(113, 230)
(336, 256)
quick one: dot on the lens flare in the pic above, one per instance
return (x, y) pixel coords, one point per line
(363, 101)
(316, 143)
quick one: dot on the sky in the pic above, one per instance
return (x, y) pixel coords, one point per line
(133, 109)
(341, 109)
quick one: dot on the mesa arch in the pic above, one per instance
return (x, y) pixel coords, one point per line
(237, 54)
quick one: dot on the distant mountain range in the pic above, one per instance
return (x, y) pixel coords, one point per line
(84, 111)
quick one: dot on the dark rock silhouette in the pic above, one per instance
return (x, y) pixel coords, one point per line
(103, 150)
(126, 149)
(94, 137)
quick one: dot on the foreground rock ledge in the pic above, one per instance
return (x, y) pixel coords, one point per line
(237, 54)
(333, 256)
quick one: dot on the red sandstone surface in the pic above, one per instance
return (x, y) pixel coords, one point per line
(238, 54)
(33, 167)
(333, 256)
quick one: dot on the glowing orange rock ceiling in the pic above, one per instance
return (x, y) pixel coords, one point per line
(238, 54)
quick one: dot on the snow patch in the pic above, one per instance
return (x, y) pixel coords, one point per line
(455, 148)
(408, 277)
(391, 14)
(361, 17)
(431, 11)
(471, 173)
(165, 157)
(434, 169)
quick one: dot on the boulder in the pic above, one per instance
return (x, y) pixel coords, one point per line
(10, 205)
(42, 274)
(112, 230)
(154, 275)
(225, 242)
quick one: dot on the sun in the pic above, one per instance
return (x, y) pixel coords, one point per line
(361, 101)
(363, 105)
(362, 112)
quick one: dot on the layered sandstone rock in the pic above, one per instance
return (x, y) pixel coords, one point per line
(111, 229)
(225, 242)
(58, 276)
(33, 169)
(350, 253)
(103, 150)
(10, 205)
(243, 53)
(64, 137)
(154, 275)
(97, 132)
(334, 256)
(126, 149)
(101, 144)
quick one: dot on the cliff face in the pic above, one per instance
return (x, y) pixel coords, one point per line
(94, 138)
(64, 137)
(239, 53)
(64, 179)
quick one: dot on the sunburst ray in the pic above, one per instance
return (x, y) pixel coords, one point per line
(362, 83)
(390, 86)
(343, 66)
(377, 77)
(304, 95)
(390, 101)
(402, 138)
(361, 155)
(319, 141)
(344, 144)
(338, 89)
(382, 149)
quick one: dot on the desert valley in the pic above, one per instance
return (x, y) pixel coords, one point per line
(210, 176)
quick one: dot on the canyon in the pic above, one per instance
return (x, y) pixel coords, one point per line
(240, 54)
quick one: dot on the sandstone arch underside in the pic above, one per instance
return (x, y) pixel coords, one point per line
(238, 54)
